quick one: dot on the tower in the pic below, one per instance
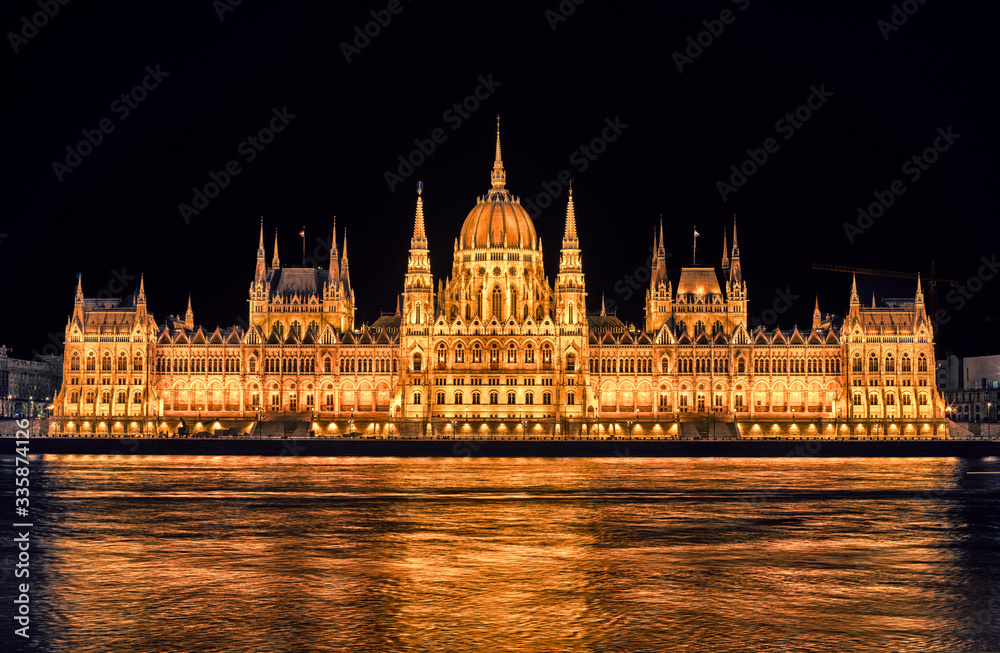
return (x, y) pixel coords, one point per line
(418, 291)
(570, 288)
(658, 307)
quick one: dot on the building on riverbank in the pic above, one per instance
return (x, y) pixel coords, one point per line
(496, 347)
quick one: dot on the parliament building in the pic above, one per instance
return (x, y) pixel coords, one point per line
(496, 350)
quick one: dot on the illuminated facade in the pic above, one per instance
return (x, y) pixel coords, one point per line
(497, 349)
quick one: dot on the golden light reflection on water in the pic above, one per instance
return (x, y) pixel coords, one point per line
(323, 554)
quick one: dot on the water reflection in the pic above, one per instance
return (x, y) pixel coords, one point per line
(321, 554)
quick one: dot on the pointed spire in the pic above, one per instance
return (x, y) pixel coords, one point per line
(602, 304)
(854, 290)
(334, 254)
(189, 316)
(419, 240)
(920, 292)
(736, 245)
(79, 287)
(399, 299)
(260, 245)
(661, 251)
(142, 290)
(873, 299)
(817, 316)
(725, 252)
(499, 176)
(345, 272)
(570, 240)
(275, 261)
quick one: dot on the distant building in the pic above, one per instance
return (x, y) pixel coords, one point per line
(494, 345)
(28, 387)
(973, 388)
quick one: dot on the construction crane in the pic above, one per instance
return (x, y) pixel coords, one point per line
(932, 279)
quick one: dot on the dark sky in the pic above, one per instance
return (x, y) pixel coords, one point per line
(116, 213)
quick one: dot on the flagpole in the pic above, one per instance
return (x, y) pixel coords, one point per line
(694, 248)
(303, 234)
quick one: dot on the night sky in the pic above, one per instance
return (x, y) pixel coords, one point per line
(685, 113)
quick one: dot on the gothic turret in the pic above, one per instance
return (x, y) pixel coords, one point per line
(570, 286)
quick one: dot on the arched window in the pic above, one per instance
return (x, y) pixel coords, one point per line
(477, 353)
(417, 320)
(890, 363)
(459, 354)
(547, 398)
(571, 362)
(122, 362)
(442, 354)
(476, 398)
(459, 398)
(106, 362)
(440, 397)
(857, 398)
(907, 399)
(494, 397)
(664, 365)
(529, 398)
(873, 399)
(327, 365)
(253, 365)
(907, 365)
(922, 364)
(416, 398)
(856, 365)
(923, 400)
(546, 354)
(137, 363)
(417, 362)
(74, 363)
(529, 353)
(497, 303)
(511, 354)
(873, 363)
(511, 398)
(570, 399)
(890, 400)
(570, 316)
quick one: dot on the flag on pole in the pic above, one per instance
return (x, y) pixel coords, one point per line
(303, 232)
(696, 234)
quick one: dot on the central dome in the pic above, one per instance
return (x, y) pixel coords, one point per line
(498, 220)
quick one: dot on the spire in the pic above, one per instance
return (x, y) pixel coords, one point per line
(345, 272)
(142, 290)
(499, 177)
(854, 290)
(79, 287)
(817, 316)
(661, 251)
(736, 245)
(920, 291)
(189, 316)
(570, 240)
(725, 253)
(334, 254)
(419, 240)
(275, 261)
(873, 299)
(260, 245)
(602, 304)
